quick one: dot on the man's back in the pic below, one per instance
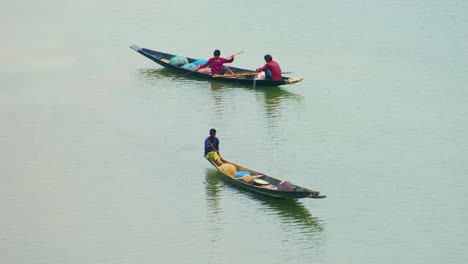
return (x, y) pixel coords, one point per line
(275, 70)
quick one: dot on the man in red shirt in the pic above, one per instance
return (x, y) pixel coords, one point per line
(271, 68)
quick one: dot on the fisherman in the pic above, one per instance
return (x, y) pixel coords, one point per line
(212, 148)
(271, 68)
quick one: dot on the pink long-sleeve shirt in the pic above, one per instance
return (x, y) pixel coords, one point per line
(216, 64)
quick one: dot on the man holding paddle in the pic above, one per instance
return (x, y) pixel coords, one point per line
(212, 148)
(216, 63)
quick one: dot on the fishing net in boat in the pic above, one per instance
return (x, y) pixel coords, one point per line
(178, 61)
(229, 169)
(260, 76)
(286, 186)
(199, 62)
(247, 178)
(189, 66)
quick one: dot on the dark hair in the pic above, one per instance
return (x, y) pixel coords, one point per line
(217, 53)
(212, 131)
(268, 57)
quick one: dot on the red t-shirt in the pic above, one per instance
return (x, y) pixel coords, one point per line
(275, 69)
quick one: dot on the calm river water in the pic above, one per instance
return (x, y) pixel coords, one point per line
(101, 149)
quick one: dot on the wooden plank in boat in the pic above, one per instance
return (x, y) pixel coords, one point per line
(270, 186)
(235, 75)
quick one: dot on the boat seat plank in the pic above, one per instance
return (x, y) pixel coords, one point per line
(271, 187)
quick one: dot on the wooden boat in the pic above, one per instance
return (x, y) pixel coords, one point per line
(240, 76)
(264, 184)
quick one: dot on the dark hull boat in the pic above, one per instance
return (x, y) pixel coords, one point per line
(261, 183)
(240, 76)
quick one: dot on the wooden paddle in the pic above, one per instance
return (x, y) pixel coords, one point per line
(237, 53)
(234, 75)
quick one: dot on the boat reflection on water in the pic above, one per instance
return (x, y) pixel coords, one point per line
(291, 212)
(164, 74)
(270, 98)
(271, 94)
(212, 191)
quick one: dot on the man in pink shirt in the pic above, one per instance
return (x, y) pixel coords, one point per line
(216, 63)
(271, 68)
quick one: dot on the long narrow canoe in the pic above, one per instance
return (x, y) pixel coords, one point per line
(264, 184)
(240, 76)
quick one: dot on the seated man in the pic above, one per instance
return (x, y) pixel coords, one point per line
(271, 68)
(212, 148)
(216, 63)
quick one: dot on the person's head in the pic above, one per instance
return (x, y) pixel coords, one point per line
(213, 132)
(268, 58)
(217, 53)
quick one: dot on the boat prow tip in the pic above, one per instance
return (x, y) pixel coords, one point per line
(294, 80)
(135, 47)
(317, 196)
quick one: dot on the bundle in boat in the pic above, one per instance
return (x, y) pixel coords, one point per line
(286, 186)
(189, 66)
(229, 169)
(178, 61)
(199, 62)
(247, 178)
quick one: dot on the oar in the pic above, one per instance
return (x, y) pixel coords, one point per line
(237, 53)
(241, 74)
(235, 74)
